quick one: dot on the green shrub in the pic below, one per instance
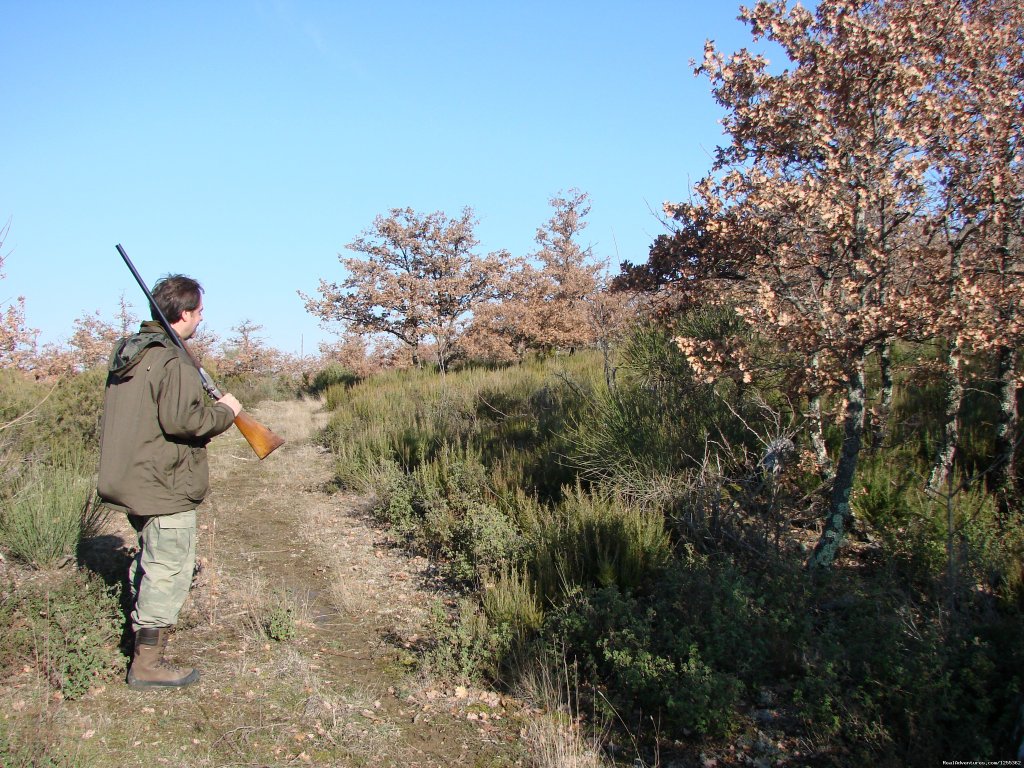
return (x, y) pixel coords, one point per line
(18, 394)
(488, 541)
(659, 419)
(452, 479)
(887, 680)
(68, 632)
(689, 644)
(69, 419)
(280, 624)
(592, 537)
(509, 599)
(866, 670)
(394, 491)
(466, 645)
(358, 464)
(512, 419)
(449, 499)
(326, 379)
(49, 511)
(927, 537)
(883, 494)
(511, 605)
(60, 417)
(621, 651)
(442, 507)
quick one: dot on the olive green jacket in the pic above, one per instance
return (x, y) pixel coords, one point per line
(155, 427)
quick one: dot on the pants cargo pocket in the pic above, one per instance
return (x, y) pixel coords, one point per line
(166, 560)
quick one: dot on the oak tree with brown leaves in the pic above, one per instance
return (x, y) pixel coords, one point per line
(976, 227)
(568, 278)
(417, 278)
(550, 300)
(246, 352)
(814, 220)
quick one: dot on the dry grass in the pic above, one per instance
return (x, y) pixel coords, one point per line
(349, 720)
(558, 737)
(293, 420)
(260, 603)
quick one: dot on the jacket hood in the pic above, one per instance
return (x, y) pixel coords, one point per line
(128, 351)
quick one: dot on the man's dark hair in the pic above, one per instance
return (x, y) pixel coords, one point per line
(176, 294)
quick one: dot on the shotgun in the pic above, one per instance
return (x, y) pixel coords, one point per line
(262, 440)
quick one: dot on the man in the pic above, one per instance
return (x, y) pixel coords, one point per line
(153, 466)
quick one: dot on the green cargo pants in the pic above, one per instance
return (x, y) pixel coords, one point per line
(161, 573)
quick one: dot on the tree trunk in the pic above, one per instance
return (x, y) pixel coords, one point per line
(839, 513)
(1003, 481)
(881, 430)
(943, 466)
(441, 354)
(609, 369)
(825, 468)
(1004, 475)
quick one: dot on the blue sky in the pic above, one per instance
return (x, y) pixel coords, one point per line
(247, 142)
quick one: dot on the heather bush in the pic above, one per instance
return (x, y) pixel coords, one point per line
(466, 646)
(509, 599)
(393, 491)
(444, 508)
(18, 395)
(59, 416)
(66, 629)
(253, 388)
(660, 420)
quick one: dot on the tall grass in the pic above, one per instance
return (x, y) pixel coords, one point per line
(560, 736)
(512, 418)
(54, 424)
(593, 537)
(49, 510)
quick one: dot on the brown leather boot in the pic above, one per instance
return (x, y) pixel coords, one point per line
(150, 669)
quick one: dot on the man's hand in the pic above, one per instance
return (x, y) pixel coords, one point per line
(231, 402)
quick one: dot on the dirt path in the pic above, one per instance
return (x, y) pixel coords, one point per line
(339, 691)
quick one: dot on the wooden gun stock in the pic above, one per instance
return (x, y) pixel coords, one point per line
(262, 440)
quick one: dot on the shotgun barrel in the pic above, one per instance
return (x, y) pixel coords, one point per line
(262, 440)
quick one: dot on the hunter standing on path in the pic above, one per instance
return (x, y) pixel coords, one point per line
(153, 466)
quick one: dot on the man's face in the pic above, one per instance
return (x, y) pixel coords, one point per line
(190, 320)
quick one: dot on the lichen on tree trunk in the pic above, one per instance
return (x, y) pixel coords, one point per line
(881, 422)
(1004, 474)
(943, 465)
(839, 512)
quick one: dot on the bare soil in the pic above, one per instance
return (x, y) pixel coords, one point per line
(344, 689)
